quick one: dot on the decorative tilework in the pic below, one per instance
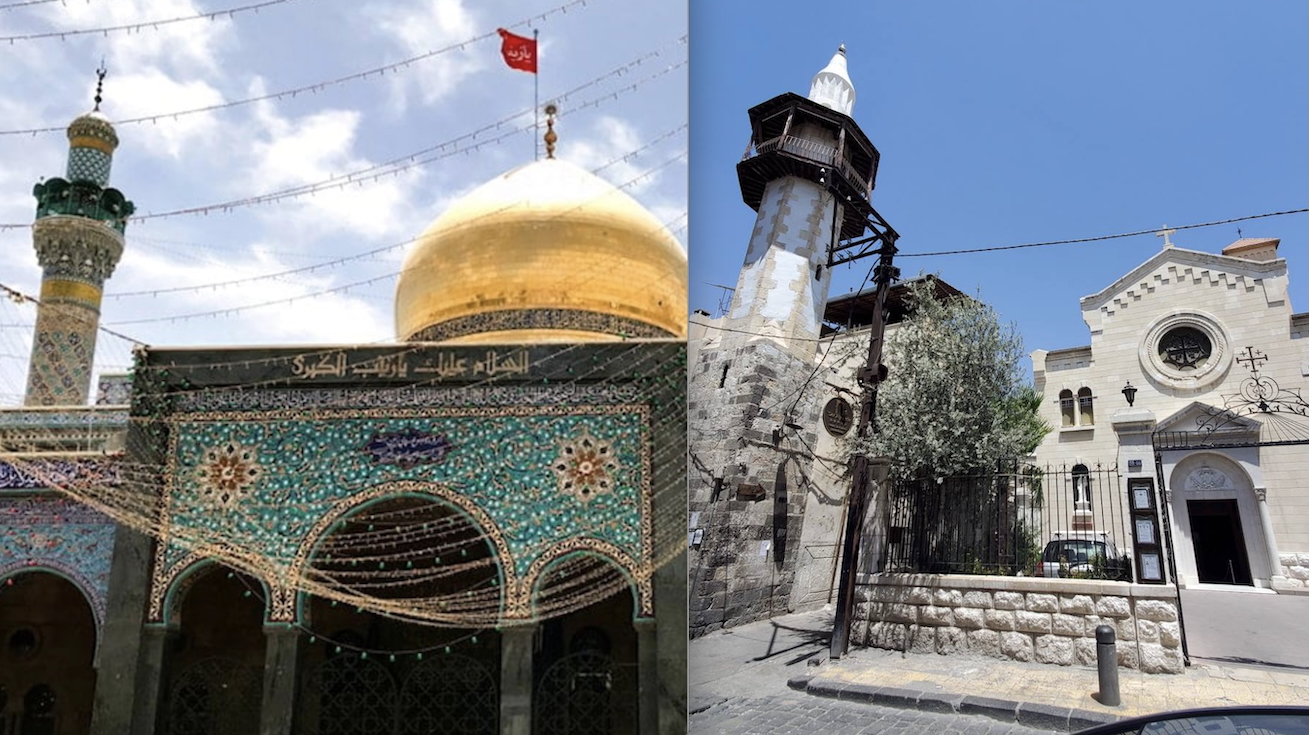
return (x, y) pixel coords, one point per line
(60, 372)
(226, 474)
(585, 466)
(535, 319)
(89, 164)
(57, 471)
(114, 390)
(54, 533)
(498, 468)
(73, 419)
(409, 397)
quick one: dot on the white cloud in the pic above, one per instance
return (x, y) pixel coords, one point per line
(304, 314)
(610, 140)
(287, 152)
(428, 26)
(151, 91)
(188, 45)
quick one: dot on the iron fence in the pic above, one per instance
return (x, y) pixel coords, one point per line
(1019, 520)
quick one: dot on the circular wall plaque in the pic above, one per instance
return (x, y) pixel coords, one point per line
(838, 416)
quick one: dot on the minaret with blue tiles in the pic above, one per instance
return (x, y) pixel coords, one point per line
(78, 235)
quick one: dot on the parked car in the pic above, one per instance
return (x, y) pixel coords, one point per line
(1083, 554)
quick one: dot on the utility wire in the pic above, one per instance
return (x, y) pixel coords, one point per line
(1099, 238)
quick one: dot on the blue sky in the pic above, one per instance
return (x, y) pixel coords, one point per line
(1003, 123)
(626, 62)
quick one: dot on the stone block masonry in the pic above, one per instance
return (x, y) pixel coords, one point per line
(1048, 621)
(1295, 568)
(748, 472)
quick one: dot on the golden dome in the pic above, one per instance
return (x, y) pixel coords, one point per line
(92, 130)
(547, 252)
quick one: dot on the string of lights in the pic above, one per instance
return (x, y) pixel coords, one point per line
(397, 165)
(345, 287)
(143, 25)
(584, 581)
(336, 262)
(28, 3)
(445, 149)
(315, 87)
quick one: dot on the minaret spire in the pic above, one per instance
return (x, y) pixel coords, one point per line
(78, 235)
(100, 85)
(832, 87)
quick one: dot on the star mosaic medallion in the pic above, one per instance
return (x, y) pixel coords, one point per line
(227, 474)
(585, 467)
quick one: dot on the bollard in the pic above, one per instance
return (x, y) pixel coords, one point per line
(1106, 659)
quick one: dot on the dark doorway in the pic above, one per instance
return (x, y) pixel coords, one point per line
(1219, 544)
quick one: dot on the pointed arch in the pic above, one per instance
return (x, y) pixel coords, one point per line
(292, 607)
(638, 576)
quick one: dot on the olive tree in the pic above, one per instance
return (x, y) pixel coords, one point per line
(955, 399)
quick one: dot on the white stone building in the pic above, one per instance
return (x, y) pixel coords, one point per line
(1220, 366)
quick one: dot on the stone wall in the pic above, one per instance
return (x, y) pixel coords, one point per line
(1295, 567)
(748, 479)
(1049, 621)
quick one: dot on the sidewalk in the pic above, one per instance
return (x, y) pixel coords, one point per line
(756, 656)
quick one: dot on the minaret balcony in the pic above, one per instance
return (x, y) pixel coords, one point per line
(794, 136)
(82, 199)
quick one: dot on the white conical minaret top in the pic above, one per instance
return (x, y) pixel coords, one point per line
(832, 86)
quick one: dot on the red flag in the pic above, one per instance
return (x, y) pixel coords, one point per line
(519, 51)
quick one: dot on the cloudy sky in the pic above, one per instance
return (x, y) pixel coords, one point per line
(348, 168)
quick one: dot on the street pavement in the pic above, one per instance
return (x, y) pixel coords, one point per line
(1247, 628)
(738, 683)
(795, 713)
(738, 686)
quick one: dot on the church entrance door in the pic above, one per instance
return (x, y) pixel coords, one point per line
(1220, 556)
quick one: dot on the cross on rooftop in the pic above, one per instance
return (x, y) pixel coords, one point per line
(1255, 358)
(1164, 233)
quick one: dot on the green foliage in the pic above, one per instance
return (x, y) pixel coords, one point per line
(955, 399)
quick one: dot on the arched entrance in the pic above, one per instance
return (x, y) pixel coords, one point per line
(369, 673)
(214, 667)
(47, 634)
(586, 670)
(1217, 514)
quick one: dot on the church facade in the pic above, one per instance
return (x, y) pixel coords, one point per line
(476, 529)
(1193, 386)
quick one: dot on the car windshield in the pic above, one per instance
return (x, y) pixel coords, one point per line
(1075, 551)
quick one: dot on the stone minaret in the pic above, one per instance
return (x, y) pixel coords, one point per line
(806, 161)
(78, 236)
(752, 414)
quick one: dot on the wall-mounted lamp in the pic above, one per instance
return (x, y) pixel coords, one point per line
(1129, 393)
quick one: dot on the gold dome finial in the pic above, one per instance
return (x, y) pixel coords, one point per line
(551, 137)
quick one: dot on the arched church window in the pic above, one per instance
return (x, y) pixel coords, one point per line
(1081, 487)
(1085, 411)
(1066, 408)
(38, 711)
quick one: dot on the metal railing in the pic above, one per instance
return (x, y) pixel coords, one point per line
(810, 151)
(1019, 520)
